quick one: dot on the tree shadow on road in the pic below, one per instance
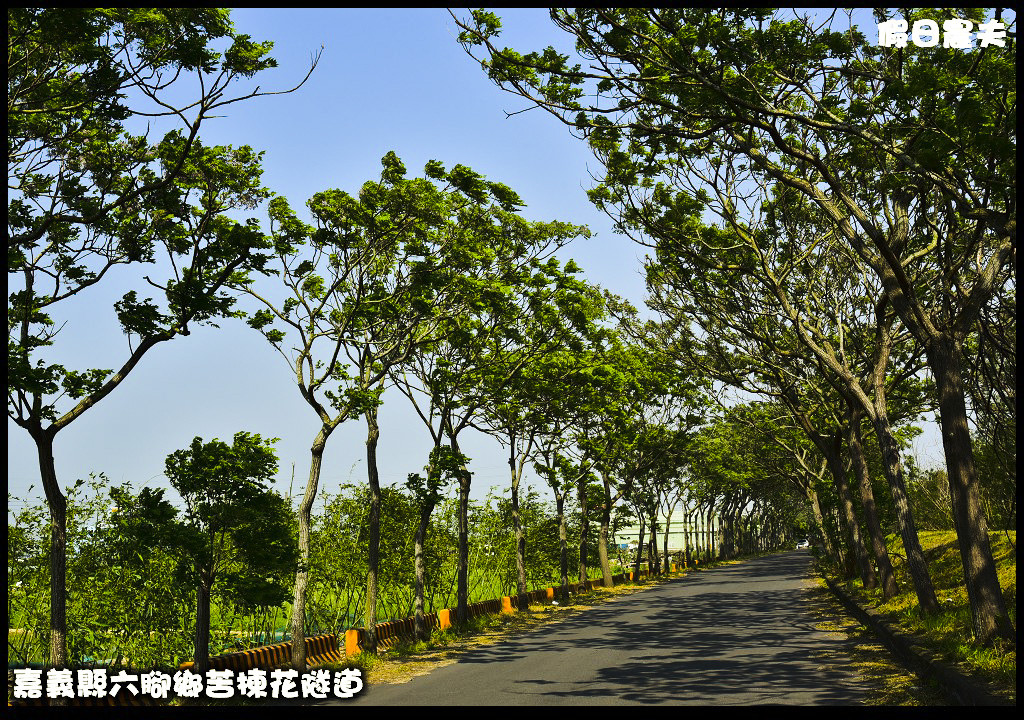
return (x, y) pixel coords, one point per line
(687, 641)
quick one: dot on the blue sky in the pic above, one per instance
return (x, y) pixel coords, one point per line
(388, 79)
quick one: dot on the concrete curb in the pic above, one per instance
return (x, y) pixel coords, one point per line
(960, 688)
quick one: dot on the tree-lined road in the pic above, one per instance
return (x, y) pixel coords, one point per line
(740, 635)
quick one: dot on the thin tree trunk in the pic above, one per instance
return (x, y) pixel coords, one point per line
(851, 559)
(517, 525)
(563, 546)
(988, 609)
(877, 411)
(831, 547)
(602, 540)
(709, 540)
(705, 520)
(584, 526)
(58, 506)
(735, 531)
(720, 545)
(298, 619)
(653, 563)
(849, 515)
(916, 563)
(201, 646)
(686, 538)
(860, 467)
(733, 539)
(709, 524)
(420, 622)
(462, 570)
(639, 546)
(602, 550)
(373, 541)
(702, 534)
(665, 535)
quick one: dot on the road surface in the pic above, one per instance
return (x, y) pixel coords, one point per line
(734, 635)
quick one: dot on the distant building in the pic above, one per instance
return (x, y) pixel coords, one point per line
(627, 537)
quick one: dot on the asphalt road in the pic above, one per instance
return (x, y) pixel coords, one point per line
(734, 635)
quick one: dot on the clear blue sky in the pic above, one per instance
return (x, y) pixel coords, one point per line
(388, 79)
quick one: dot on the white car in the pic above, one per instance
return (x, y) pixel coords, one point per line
(802, 544)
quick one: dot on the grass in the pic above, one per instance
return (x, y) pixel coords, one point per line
(949, 634)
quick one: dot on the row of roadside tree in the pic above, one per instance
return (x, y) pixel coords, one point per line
(825, 238)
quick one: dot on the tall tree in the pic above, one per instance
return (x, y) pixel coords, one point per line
(525, 380)
(384, 278)
(562, 476)
(87, 195)
(367, 288)
(909, 152)
(507, 274)
(426, 491)
(625, 435)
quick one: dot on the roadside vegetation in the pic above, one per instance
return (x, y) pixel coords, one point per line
(831, 236)
(132, 607)
(948, 633)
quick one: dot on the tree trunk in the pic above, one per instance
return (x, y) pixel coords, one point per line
(688, 558)
(58, 506)
(736, 528)
(705, 531)
(709, 534)
(827, 538)
(702, 534)
(988, 609)
(373, 541)
(298, 620)
(602, 550)
(584, 526)
(916, 564)
(201, 658)
(462, 569)
(653, 563)
(563, 546)
(602, 540)
(720, 545)
(639, 546)
(745, 525)
(848, 514)
(668, 524)
(860, 468)
(517, 525)
(420, 622)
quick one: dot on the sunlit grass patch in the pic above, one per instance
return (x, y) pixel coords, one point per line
(950, 633)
